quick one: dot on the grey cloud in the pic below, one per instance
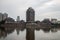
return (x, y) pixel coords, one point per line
(51, 9)
(19, 7)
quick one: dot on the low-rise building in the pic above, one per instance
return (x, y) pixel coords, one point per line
(58, 22)
(10, 20)
(54, 21)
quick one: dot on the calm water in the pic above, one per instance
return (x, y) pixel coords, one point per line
(29, 34)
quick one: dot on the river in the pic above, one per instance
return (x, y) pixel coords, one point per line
(29, 34)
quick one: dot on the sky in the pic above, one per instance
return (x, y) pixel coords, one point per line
(43, 8)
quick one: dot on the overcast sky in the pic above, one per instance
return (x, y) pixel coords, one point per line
(43, 8)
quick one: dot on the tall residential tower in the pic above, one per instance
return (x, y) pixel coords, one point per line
(30, 15)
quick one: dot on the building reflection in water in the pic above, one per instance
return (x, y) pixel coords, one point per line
(54, 30)
(4, 32)
(30, 32)
(19, 29)
(46, 30)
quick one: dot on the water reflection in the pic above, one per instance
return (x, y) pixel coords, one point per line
(30, 32)
(19, 29)
(4, 32)
(54, 29)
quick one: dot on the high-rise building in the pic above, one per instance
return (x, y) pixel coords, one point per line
(18, 18)
(1, 16)
(5, 15)
(30, 15)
